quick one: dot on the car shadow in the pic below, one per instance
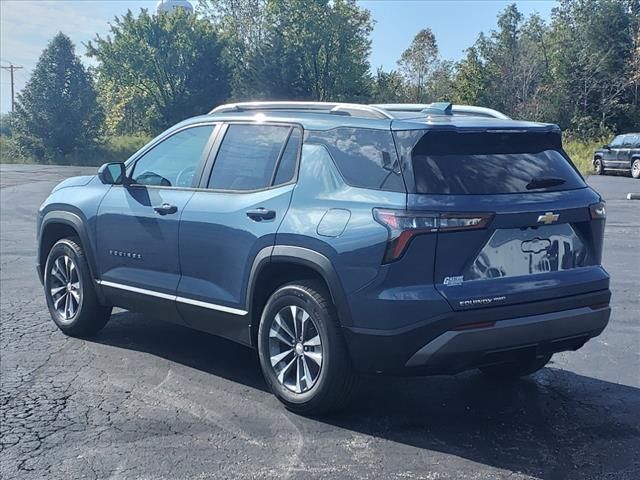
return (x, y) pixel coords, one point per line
(554, 425)
(176, 343)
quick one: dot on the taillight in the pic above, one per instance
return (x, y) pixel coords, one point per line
(598, 211)
(403, 225)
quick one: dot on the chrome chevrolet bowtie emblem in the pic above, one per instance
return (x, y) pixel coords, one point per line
(548, 218)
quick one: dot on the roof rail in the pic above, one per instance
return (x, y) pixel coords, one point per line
(465, 110)
(350, 109)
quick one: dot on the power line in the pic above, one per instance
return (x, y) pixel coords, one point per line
(11, 68)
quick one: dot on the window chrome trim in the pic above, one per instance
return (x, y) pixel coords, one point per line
(176, 298)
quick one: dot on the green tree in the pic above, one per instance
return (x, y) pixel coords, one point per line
(592, 59)
(500, 52)
(388, 87)
(417, 64)
(470, 80)
(316, 50)
(295, 49)
(171, 63)
(242, 25)
(441, 84)
(57, 112)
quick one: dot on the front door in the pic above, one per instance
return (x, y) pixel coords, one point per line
(230, 220)
(137, 225)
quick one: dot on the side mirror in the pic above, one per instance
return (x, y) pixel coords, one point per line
(114, 173)
(607, 146)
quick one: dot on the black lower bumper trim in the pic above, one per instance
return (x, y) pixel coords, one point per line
(437, 348)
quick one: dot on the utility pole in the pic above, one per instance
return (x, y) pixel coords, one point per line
(11, 68)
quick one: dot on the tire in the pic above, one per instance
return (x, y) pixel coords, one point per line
(598, 167)
(513, 370)
(635, 168)
(70, 292)
(304, 382)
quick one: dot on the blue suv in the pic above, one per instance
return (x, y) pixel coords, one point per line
(338, 239)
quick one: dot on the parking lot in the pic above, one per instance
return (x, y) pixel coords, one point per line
(151, 400)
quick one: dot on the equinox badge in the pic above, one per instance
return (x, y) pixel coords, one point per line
(548, 218)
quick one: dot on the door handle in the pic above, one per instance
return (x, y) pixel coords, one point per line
(259, 214)
(166, 209)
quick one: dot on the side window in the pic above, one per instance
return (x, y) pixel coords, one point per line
(617, 142)
(248, 156)
(630, 141)
(287, 165)
(173, 162)
(365, 157)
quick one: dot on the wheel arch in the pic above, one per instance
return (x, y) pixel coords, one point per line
(281, 264)
(60, 224)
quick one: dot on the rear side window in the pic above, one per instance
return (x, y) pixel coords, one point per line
(485, 163)
(618, 141)
(287, 165)
(365, 157)
(632, 141)
(249, 155)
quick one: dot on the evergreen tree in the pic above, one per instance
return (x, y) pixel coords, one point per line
(57, 112)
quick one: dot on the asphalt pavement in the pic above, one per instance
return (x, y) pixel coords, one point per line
(151, 400)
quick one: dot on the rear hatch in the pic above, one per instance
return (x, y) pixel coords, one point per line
(516, 221)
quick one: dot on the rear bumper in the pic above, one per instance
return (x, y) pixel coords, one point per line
(538, 334)
(455, 348)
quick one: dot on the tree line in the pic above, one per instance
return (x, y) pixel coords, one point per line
(580, 69)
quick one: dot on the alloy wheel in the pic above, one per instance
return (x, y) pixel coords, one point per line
(635, 169)
(65, 288)
(295, 348)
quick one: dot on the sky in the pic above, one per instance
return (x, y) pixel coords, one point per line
(28, 25)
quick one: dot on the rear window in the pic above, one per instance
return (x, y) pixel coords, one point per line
(632, 141)
(485, 163)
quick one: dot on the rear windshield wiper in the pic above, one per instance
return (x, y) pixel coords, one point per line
(542, 182)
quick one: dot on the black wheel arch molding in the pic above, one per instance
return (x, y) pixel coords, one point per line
(76, 221)
(301, 256)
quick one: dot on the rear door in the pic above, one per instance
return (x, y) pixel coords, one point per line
(540, 240)
(244, 195)
(614, 158)
(624, 153)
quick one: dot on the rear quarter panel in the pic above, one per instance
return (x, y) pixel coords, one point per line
(332, 218)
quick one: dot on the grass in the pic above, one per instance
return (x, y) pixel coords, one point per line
(581, 152)
(109, 149)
